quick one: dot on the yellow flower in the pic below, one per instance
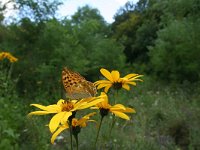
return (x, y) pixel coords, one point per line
(76, 123)
(63, 110)
(82, 122)
(115, 81)
(117, 109)
(7, 55)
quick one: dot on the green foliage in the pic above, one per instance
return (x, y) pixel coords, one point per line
(45, 48)
(135, 27)
(37, 10)
(86, 14)
(175, 55)
(11, 117)
(160, 38)
(166, 116)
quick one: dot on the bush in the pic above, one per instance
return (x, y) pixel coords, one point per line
(175, 55)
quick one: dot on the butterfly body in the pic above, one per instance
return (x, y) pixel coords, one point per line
(77, 86)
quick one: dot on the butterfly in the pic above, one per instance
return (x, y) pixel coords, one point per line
(76, 86)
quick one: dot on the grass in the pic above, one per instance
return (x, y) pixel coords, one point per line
(167, 118)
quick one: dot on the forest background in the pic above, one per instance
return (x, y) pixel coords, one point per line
(159, 39)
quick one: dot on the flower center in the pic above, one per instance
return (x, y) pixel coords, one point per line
(67, 106)
(104, 112)
(117, 85)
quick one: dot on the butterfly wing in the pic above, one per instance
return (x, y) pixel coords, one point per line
(89, 88)
(77, 86)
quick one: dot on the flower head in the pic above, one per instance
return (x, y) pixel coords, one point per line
(117, 109)
(63, 110)
(114, 80)
(9, 56)
(77, 124)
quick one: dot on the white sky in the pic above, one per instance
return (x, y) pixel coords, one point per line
(107, 8)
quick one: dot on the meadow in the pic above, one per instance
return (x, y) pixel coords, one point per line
(157, 39)
(167, 118)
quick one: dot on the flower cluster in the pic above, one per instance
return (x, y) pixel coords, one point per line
(117, 109)
(114, 80)
(9, 56)
(65, 110)
(77, 124)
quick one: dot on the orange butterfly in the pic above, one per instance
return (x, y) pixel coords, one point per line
(76, 86)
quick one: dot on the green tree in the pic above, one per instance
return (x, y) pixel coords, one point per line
(135, 27)
(37, 10)
(45, 47)
(175, 54)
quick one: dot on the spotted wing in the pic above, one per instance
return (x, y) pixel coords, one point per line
(77, 86)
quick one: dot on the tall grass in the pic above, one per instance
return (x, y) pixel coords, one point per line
(167, 118)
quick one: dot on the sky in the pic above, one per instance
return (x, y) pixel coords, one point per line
(107, 8)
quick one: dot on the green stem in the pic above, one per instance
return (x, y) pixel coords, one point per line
(113, 119)
(115, 95)
(98, 131)
(70, 131)
(112, 125)
(76, 138)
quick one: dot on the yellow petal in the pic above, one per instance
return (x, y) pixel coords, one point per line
(106, 74)
(92, 121)
(115, 75)
(60, 129)
(130, 75)
(82, 122)
(38, 113)
(105, 97)
(129, 110)
(80, 103)
(102, 82)
(89, 99)
(103, 85)
(119, 106)
(105, 105)
(94, 108)
(89, 115)
(65, 117)
(55, 121)
(133, 78)
(126, 86)
(40, 106)
(90, 104)
(107, 88)
(132, 83)
(136, 80)
(54, 108)
(60, 102)
(74, 101)
(121, 115)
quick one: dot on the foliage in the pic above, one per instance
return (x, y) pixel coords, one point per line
(11, 117)
(177, 46)
(135, 27)
(153, 37)
(176, 52)
(37, 10)
(162, 37)
(45, 48)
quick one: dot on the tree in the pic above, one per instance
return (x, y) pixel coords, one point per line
(37, 10)
(175, 54)
(135, 27)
